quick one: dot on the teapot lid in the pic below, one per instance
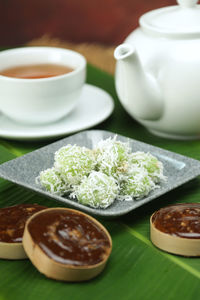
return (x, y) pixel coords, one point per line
(178, 21)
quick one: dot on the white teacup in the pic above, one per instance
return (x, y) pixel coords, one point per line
(41, 100)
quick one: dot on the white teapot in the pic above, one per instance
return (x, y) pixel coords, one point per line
(158, 71)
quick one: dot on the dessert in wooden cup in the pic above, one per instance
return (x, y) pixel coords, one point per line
(12, 223)
(66, 244)
(176, 229)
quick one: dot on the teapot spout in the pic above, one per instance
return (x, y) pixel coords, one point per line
(137, 90)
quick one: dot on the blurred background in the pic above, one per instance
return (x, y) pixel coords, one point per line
(83, 25)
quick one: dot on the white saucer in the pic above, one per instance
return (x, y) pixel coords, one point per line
(95, 106)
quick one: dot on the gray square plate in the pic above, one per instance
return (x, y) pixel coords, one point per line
(23, 170)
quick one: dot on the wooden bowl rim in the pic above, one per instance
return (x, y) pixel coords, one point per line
(10, 244)
(77, 212)
(175, 238)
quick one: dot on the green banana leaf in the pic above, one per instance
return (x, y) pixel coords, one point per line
(136, 269)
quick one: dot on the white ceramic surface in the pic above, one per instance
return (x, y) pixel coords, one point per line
(94, 106)
(158, 71)
(39, 101)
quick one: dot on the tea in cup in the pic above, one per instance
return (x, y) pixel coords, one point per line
(40, 85)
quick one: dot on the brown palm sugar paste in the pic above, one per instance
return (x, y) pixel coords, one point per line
(182, 220)
(176, 229)
(69, 238)
(66, 244)
(13, 219)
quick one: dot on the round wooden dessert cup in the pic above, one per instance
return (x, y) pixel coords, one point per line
(174, 244)
(12, 223)
(56, 270)
(12, 251)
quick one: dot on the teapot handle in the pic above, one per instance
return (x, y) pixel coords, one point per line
(187, 3)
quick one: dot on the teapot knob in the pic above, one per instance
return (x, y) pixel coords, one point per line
(187, 3)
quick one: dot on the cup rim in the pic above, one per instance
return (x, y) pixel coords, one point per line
(45, 48)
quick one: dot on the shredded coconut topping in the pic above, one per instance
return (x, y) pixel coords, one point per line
(97, 190)
(51, 180)
(137, 183)
(73, 163)
(150, 163)
(112, 157)
(100, 176)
